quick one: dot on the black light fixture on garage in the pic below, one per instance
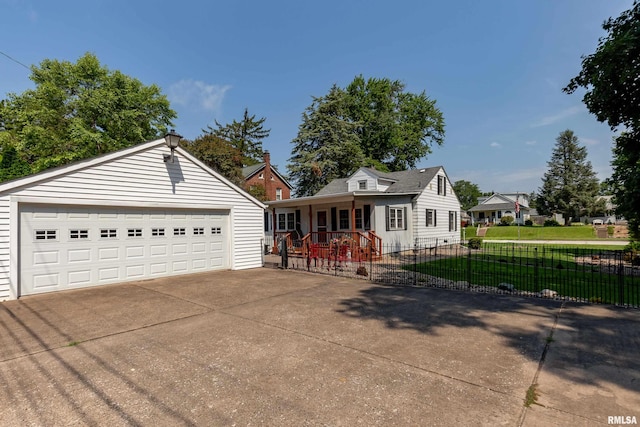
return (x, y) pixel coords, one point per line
(172, 139)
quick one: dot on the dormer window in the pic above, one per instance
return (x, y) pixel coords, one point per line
(362, 185)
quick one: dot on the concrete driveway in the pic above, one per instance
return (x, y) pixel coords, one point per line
(273, 347)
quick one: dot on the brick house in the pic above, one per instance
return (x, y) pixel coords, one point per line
(263, 174)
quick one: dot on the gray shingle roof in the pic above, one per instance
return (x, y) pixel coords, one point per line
(409, 181)
(497, 207)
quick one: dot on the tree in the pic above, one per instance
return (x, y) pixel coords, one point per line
(533, 200)
(467, 193)
(570, 185)
(11, 166)
(327, 146)
(219, 155)
(384, 127)
(610, 76)
(78, 111)
(245, 136)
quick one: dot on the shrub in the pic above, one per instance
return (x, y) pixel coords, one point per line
(611, 229)
(528, 223)
(551, 223)
(506, 220)
(475, 243)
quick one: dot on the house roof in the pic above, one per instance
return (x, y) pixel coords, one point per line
(250, 171)
(93, 161)
(403, 182)
(510, 206)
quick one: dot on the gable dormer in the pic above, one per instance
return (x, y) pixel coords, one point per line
(365, 179)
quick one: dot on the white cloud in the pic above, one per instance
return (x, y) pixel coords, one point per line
(197, 95)
(548, 120)
(530, 142)
(588, 141)
(495, 144)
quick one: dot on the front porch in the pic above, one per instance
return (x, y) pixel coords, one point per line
(356, 246)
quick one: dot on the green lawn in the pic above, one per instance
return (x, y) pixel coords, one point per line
(584, 232)
(554, 268)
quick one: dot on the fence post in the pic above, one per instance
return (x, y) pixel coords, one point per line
(415, 263)
(371, 253)
(535, 271)
(621, 278)
(468, 266)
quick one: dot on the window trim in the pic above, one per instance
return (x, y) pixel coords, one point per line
(434, 218)
(453, 221)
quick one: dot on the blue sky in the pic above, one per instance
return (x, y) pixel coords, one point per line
(495, 68)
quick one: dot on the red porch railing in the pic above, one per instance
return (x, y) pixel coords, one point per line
(343, 245)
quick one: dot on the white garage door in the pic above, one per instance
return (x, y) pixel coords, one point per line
(73, 247)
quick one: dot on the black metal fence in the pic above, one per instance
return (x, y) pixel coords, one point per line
(585, 274)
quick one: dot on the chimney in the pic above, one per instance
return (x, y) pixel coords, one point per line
(267, 175)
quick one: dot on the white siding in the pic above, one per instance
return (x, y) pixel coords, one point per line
(430, 199)
(4, 249)
(140, 178)
(362, 175)
(393, 238)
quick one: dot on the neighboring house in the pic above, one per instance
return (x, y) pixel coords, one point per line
(391, 211)
(491, 209)
(608, 215)
(276, 187)
(134, 214)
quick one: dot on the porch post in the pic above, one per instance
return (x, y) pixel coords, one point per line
(274, 250)
(353, 218)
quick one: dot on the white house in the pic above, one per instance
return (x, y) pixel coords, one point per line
(387, 210)
(491, 209)
(133, 214)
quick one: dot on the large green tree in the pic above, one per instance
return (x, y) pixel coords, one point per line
(397, 128)
(467, 193)
(372, 122)
(570, 185)
(611, 77)
(79, 110)
(327, 146)
(245, 136)
(218, 154)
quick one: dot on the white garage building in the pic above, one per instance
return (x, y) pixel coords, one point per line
(129, 215)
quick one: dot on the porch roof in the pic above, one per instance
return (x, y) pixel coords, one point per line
(333, 198)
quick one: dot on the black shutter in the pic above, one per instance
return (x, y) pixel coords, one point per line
(367, 217)
(405, 218)
(386, 217)
(334, 219)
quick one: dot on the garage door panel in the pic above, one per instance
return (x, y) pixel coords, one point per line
(135, 252)
(108, 254)
(88, 246)
(135, 271)
(79, 278)
(44, 282)
(198, 248)
(108, 273)
(41, 258)
(199, 263)
(159, 250)
(79, 255)
(179, 249)
(159, 268)
(179, 266)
